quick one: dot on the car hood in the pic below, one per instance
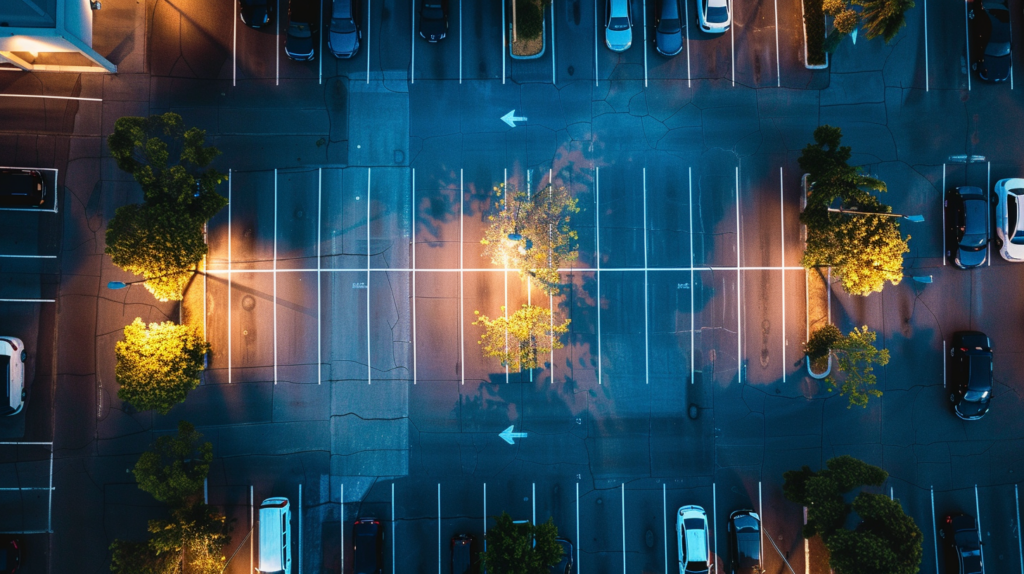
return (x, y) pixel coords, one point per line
(254, 15)
(344, 43)
(968, 258)
(971, 410)
(995, 68)
(433, 29)
(618, 39)
(669, 42)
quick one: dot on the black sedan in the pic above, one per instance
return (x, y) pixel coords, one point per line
(962, 544)
(668, 31)
(989, 29)
(967, 221)
(368, 546)
(744, 542)
(971, 374)
(434, 20)
(10, 555)
(256, 13)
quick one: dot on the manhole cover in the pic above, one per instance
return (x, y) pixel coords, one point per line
(299, 214)
(649, 539)
(248, 302)
(693, 412)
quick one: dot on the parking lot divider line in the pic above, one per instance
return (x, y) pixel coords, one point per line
(230, 275)
(687, 30)
(977, 511)
(693, 333)
(485, 515)
(533, 501)
(341, 503)
(943, 363)
(505, 270)
(393, 528)
(782, 234)
(967, 46)
(623, 498)
(412, 239)
(275, 268)
(40, 96)
(319, 313)
(462, 291)
(988, 196)
(597, 176)
(942, 197)
(732, 49)
(369, 370)
(553, 79)
(714, 521)
(504, 46)
(760, 512)
(645, 42)
(277, 54)
(412, 65)
(647, 349)
(234, 45)
(778, 65)
(49, 497)
(529, 284)
(551, 297)
(460, 42)
(579, 569)
(300, 528)
(252, 526)
(439, 528)
(739, 318)
(1020, 550)
(369, 45)
(595, 43)
(664, 515)
(28, 256)
(926, 45)
(320, 59)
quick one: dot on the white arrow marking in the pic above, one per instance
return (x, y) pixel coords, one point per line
(511, 118)
(508, 435)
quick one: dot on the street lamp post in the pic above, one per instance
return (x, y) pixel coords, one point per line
(913, 218)
(121, 284)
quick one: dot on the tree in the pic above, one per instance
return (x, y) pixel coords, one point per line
(521, 548)
(887, 540)
(531, 233)
(822, 492)
(131, 557)
(519, 339)
(857, 357)
(175, 466)
(844, 21)
(158, 365)
(162, 238)
(864, 251)
(819, 346)
(192, 541)
(884, 18)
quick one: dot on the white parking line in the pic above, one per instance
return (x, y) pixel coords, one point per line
(647, 350)
(28, 301)
(664, 516)
(623, 528)
(732, 49)
(412, 66)
(782, 234)
(460, 41)
(28, 256)
(693, 332)
(230, 274)
(75, 98)
(439, 528)
(739, 294)
(778, 65)
(553, 78)
(645, 42)
(275, 274)
(760, 513)
(412, 236)
(252, 526)
(505, 270)
(533, 501)
(551, 297)
(369, 46)
(319, 313)
(977, 511)
(597, 176)
(392, 528)
(277, 54)
(369, 369)
(686, 29)
(504, 44)
(1020, 550)
(300, 528)
(942, 197)
(988, 196)
(462, 291)
(485, 513)
(595, 42)
(967, 46)
(943, 363)
(714, 520)
(926, 83)
(578, 541)
(320, 59)
(341, 502)
(234, 47)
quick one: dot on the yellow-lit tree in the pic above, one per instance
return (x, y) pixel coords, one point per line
(531, 234)
(517, 340)
(158, 364)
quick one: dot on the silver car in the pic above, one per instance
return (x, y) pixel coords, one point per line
(618, 25)
(12, 362)
(1010, 218)
(694, 543)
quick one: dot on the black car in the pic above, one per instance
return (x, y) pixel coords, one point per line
(971, 374)
(303, 29)
(744, 542)
(344, 36)
(967, 227)
(564, 565)
(989, 29)
(368, 546)
(10, 555)
(959, 532)
(256, 13)
(668, 30)
(434, 20)
(464, 554)
(21, 188)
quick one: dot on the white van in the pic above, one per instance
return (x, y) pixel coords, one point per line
(275, 536)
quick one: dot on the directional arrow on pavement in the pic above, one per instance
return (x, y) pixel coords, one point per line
(508, 435)
(511, 118)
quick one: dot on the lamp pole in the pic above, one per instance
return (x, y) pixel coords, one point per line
(913, 218)
(121, 284)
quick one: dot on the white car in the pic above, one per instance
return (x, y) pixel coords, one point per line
(714, 16)
(618, 25)
(694, 544)
(1010, 218)
(12, 362)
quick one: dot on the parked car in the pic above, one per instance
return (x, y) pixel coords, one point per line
(434, 20)
(668, 30)
(714, 16)
(618, 25)
(10, 555)
(256, 13)
(564, 565)
(962, 544)
(275, 551)
(464, 554)
(344, 36)
(1010, 218)
(989, 28)
(693, 539)
(970, 378)
(12, 363)
(368, 546)
(967, 227)
(21, 188)
(744, 542)
(303, 29)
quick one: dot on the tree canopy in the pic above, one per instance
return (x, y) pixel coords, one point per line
(174, 467)
(162, 238)
(158, 364)
(864, 251)
(857, 356)
(521, 338)
(192, 541)
(521, 548)
(884, 18)
(532, 234)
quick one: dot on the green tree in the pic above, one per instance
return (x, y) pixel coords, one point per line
(531, 233)
(519, 339)
(131, 557)
(887, 540)
(174, 467)
(884, 18)
(192, 541)
(521, 548)
(844, 21)
(162, 238)
(819, 346)
(864, 251)
(857, 356)
(158, 365)
(822, 492)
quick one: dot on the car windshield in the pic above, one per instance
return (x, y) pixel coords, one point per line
(696, 567)
(5, 366)
(975, 396)
(998, 49)
(717, 14)
(296, 30)
(975, 234)
(668, 26)
(433, 13)
(340, 26)
(618, 24)
(1013, 219)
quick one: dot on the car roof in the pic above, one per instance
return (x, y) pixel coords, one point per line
(619, 8)
(980, 378)
(341, 9)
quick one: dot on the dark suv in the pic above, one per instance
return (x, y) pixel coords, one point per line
(971, 374)
(434, 20)
(962, 545)
(967, 232)
(21, 188)
(303, 29)
(368, 546)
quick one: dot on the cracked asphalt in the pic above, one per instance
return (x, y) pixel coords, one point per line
(343, 278)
